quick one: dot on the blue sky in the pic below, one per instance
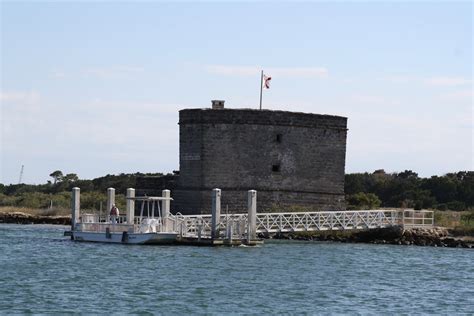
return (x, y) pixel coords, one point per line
(95, 88)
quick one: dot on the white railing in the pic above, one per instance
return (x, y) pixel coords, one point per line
(422, 219)
(317, 221)
(103, 227)
(237, 224)
(96, 218)
(194, 225)
(100, 224)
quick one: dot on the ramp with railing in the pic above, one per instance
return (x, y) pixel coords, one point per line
(237, 224)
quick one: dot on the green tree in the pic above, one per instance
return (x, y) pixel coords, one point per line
(363, 201)
(444, 188)
(70, 177)
(57, 176)
(465, 190)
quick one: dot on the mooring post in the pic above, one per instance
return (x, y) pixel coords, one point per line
(110, 202)
(199, 230)
(216, 213)
(230, 229)
(130, 206)
(165, 212)
(252, 215)
(75, 206)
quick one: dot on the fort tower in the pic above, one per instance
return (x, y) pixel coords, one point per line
(291, 159)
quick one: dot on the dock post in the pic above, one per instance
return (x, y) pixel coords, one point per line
(216, 213)
(130, 206)
(230, 230)
(252, 215)
(110, 202)
(165, 212)
(199, 230)
(75, 206)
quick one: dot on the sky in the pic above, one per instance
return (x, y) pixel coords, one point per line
(94, 88)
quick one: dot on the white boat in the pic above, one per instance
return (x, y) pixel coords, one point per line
(149, 228)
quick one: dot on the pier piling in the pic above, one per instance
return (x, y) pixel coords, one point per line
(252, 216)
(165, 212)
(75, 206)
(110, 200)
(130, 206)
(216, 213)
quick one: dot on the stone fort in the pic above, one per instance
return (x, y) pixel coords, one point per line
(292, 159)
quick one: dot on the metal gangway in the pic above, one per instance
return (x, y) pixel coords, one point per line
(237, 224)
(242, 225)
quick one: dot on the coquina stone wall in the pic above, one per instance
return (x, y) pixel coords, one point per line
(290, 158)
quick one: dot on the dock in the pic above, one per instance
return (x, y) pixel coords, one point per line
(216, 229)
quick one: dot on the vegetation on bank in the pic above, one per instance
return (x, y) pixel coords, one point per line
(458, 223)
(453, 191)
(56, 194)
(451, 195)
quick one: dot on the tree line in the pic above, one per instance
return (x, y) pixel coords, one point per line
(57, 191)
(452, 191)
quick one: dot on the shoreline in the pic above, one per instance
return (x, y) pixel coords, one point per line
(434, 237)
(28, 219)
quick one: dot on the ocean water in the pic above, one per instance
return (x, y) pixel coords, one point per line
(43, 272)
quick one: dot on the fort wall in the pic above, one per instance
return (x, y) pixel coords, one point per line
(290, 158)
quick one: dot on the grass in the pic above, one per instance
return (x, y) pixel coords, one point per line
(448, 219)
(458, 223)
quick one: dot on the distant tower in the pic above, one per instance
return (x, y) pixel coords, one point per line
(21, 174)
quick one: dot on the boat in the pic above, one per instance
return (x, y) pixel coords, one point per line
(149, 228)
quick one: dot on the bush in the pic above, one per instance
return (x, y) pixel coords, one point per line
(6, 200)
(447, 218)
(456, 206)
(33, 200)
(468, 218)
(93, 200)
(361, 200)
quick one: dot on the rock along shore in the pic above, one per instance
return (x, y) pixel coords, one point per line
(24, 218)
(436, 237)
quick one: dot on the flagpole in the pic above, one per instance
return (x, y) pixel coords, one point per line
(261, 88)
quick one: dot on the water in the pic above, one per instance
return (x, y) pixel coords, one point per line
(43, 272)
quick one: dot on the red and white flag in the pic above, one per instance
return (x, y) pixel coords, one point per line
(266, 81)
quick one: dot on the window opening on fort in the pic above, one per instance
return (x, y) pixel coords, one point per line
(276, 168)
(279, 138)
